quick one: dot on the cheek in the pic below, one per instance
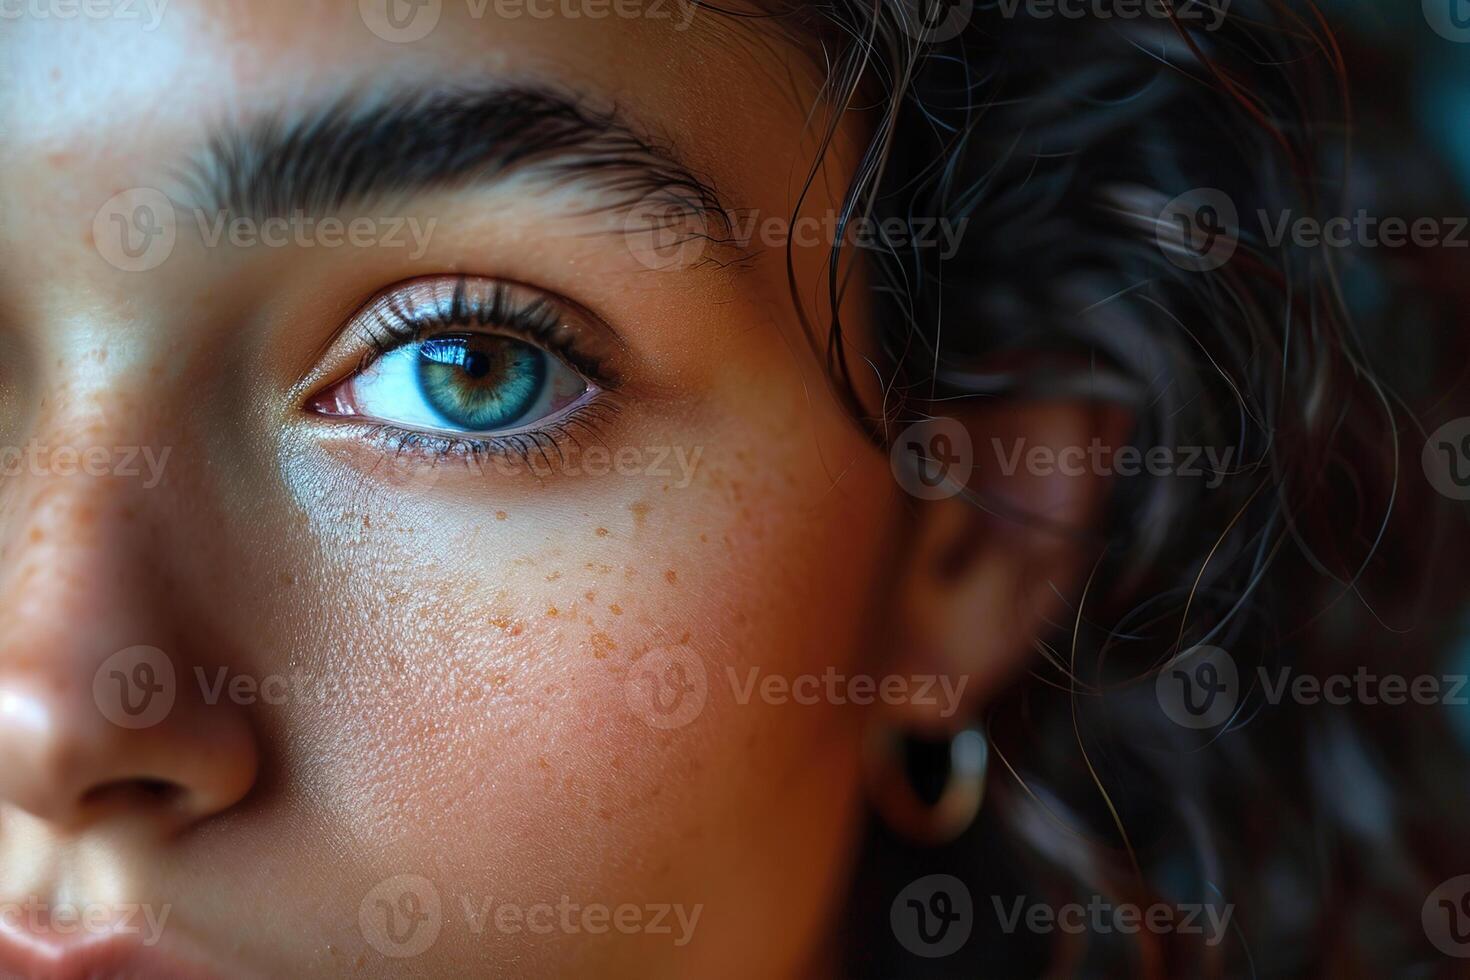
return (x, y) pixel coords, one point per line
(494, 659)
(500, 663)
(470, 666)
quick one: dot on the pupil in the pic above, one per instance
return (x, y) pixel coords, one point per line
(476, 363)
(480, 383)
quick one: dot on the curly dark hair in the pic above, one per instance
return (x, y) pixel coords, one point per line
(1322, 548)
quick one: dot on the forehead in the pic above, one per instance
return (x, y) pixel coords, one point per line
(113, 91)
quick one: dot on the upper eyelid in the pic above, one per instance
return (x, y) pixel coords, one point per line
(449, 304)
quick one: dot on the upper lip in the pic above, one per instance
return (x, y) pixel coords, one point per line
(109, 952)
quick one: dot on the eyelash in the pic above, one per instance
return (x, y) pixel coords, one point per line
(528, 447)
(538, 322)
(535, 322)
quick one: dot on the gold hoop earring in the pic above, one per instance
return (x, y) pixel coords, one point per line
(893, 794)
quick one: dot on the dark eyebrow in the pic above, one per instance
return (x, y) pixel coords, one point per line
(353, 153)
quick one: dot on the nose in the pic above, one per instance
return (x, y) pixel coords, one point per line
(98, 717)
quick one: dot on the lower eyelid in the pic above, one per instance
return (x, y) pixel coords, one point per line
(589, 421)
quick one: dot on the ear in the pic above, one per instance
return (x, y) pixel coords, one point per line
(979, 582)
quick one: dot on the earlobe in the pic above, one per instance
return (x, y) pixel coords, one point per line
(988, 571)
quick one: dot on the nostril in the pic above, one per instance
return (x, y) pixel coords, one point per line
(143, 792)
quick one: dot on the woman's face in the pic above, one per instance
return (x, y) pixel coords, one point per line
(381, 596)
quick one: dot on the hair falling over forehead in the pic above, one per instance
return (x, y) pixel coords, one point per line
(1064, 142)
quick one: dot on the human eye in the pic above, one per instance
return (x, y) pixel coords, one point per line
(460, 365)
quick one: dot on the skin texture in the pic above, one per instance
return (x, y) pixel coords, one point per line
(275, 547)
(436, 666)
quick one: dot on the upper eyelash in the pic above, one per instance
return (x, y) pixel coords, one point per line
(539, 321)
(391, 325)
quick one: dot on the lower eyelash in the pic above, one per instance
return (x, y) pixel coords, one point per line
(538, 450)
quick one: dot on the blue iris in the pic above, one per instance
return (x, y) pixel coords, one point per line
(482, 381)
